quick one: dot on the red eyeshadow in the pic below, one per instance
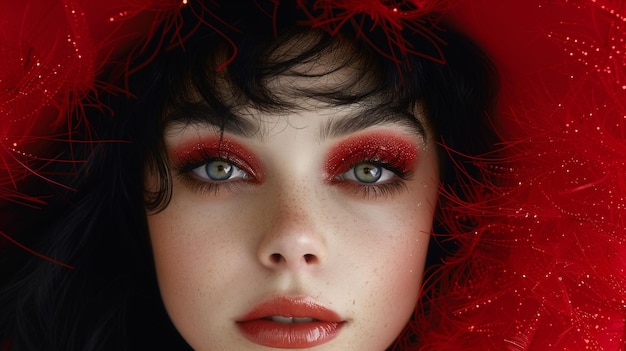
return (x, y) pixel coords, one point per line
(222, 147)
(384, 147)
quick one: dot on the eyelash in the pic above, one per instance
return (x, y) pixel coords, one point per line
(187, 165)
(377, 190)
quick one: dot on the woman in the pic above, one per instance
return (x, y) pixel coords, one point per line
(303, 174)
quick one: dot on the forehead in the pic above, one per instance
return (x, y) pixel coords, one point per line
(293, 70)
(297, 75)
(310, 59)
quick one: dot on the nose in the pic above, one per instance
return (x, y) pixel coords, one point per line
(293, 238)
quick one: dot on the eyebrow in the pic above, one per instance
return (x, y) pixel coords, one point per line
(376, 116)
(202, 114)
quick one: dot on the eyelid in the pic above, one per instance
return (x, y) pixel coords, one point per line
(391, 150)
(192, 154)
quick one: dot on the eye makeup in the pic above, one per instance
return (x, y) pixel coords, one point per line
(384, 149)
(194, 154)
(368, 164)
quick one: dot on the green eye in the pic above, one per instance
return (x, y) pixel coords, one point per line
(367, 172)
(219, 171)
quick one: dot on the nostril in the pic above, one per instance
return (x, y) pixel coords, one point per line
(276, 257)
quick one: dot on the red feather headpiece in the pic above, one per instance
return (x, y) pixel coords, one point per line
(392, 17)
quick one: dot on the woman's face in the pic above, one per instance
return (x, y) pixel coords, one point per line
(310, 230)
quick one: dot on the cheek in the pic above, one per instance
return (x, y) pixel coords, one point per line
(390, 268)
(174, 259)
(405, 267)
(191, 260)
(413, 227)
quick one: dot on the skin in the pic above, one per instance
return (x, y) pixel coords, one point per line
(220, 252)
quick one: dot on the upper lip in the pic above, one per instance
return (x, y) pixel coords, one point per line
(296, 307)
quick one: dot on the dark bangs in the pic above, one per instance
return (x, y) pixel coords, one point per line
(277, 74)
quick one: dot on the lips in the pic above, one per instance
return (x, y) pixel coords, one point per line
(295, 323)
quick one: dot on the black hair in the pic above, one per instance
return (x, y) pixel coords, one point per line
(110, 301)
(457, 96)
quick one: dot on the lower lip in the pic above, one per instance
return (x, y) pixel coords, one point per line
(296, 336)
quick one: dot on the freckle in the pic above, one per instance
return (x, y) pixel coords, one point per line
(353, 302)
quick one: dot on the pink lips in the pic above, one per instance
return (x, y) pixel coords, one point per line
(296, 323)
